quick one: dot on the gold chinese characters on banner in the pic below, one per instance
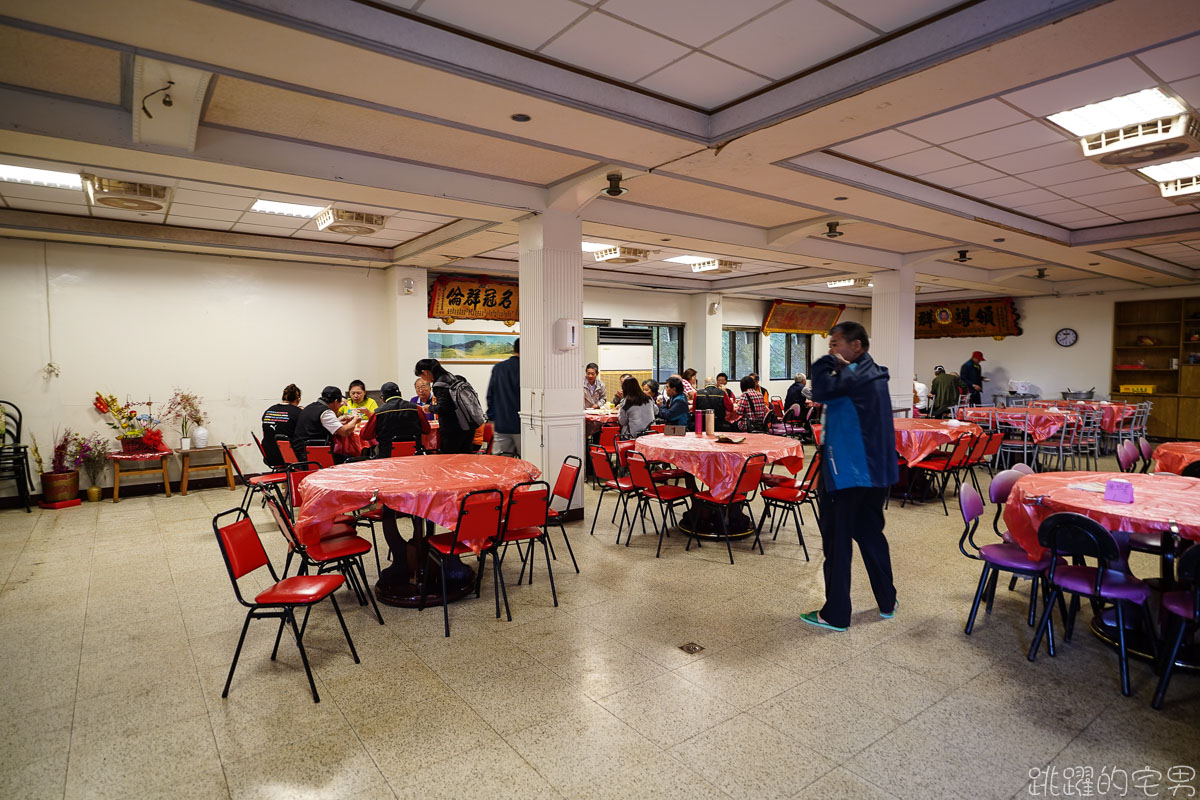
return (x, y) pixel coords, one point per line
(452, 298)
(995, 317)
(788, 317)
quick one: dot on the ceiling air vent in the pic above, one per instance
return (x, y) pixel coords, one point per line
(1144, 141)
(126, 195)
(718, 265)
(1182, 191)
(621, 255)
(625, 336)
(357, 223)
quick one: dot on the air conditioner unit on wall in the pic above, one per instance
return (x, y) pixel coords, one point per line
(127, 195)
(357, 223)
(1143, 142)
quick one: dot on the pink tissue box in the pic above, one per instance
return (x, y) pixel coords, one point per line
(1118, 490)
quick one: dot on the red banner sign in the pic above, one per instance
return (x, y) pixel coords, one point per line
(787, 317)
(995, 317)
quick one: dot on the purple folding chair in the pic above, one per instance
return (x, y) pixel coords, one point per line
(1185, 605)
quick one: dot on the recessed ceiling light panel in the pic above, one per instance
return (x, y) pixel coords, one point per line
(1119, 112)
(688, 259)
(286, 209)
(591, 247)
(1173, 170)
(41, 177)
(1134, 129)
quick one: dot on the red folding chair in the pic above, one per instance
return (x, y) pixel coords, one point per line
(945, 467)
(403, 449)
(743, 493)
(322, 454)
(787, 497)
(243, 553)
(262, 482)
(477, 532)
(564, 488)
(667, 497)
(610, 483)
(525, 521)
(285, 449)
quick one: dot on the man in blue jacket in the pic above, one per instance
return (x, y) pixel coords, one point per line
(858, 469)
(504, 403)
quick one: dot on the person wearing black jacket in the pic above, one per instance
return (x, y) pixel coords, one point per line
(452, 437)
(504, 403)
(972, 375)
(397, 420)
(319, 422)
(280, 420)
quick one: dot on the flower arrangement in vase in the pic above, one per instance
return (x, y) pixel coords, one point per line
(61, 483)
(137, 432)
(94, 458)
(184, 408)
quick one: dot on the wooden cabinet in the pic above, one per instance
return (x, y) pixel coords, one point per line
(1157, 343)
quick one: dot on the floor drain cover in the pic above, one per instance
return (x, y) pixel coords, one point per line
(691, 648)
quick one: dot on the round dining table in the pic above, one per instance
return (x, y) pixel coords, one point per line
(596, 418)
(1111, 414)
(429, 488)
(1174, 456)
(917, 438)
(1041, 423)
(1162, 504)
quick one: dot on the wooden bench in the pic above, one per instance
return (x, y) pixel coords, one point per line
(118, 459)
(224, 464)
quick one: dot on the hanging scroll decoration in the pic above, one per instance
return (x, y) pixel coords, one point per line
(995, 317)
(788, 317)
(457, 297)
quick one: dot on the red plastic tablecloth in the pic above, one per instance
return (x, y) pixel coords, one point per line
(430, 487)
(1111, 417)
(1174, 456)
(153, 456)
(917, 438)
(594, 419)
(1158, 499)
(718, 465)
(1042, 423)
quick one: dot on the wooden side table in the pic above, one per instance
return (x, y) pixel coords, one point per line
(188, 467)
(118, 459)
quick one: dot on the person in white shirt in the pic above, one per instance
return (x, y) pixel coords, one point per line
(921, 393)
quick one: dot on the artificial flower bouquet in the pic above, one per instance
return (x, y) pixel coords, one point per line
(136, 431)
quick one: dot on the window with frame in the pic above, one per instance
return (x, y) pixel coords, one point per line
(667, 339)
(739, 352)
(789, 354)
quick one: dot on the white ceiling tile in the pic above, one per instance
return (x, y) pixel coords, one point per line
(1188, 90)
(1171, 210)
(693, 22)
(45, 193)
(272, 220)
(1082, 88)
(409, 225)
(995, 188)
(1121, 195)
(1051, 155)
(1077, 171)
(1031, 197)
(1003, 141)
(1076, 216)
(212, 199)
(791, 38)
(266, 230)
(131, 216)
(1174, 61)
(438, 218)
(203, 212)
(702, 80)
(894, 14)
(291, 198)
(879, 146)
(1131, 206)
(320, 236)
(523, 23)
(961, 176)
(967, 121)
(1115, 180)
(191, 222)
(1059, 206)
(931, 159)
(614, 48)
(217, 188)
(49, 207)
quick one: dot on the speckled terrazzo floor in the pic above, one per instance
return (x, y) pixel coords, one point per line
(117, 624)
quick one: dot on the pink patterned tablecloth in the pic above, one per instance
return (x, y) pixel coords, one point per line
(1111, 414)
(717, 465)
(1174, 456)
(917, 438)
(1042, 423)
(430, 487)
(594, 419)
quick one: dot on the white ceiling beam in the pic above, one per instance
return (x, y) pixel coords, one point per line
(575, 192)
(1151, 263)
(167, 103)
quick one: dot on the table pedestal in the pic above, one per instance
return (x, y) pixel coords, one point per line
(1137, 645)
(399, 582)
(703, 522)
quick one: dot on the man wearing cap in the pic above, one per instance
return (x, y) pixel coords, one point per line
(319, 422)
(396, 420)
(972, 375)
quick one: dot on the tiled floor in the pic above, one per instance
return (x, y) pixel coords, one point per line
(117, 624)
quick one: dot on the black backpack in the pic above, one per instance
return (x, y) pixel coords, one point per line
(466, 403)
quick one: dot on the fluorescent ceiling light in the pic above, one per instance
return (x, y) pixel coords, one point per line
(1174, 170)
(1130, 109)
(591, 247)
(688, 259)
(41, 177)
(286, 209)
(848, 282)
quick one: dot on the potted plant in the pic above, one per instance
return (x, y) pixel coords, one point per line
(94, 456)
(184, 408)
(61, 483)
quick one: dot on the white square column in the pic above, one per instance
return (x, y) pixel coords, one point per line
(893, 322)
(551, 286)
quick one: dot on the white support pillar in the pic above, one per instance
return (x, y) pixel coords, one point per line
(410, 312)
(551, 280)
(893, 321)
(702, 349)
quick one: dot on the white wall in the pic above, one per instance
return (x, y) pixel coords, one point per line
(136, 323)
(1034, 356)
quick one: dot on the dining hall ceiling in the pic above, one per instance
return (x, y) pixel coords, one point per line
(742, 130)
